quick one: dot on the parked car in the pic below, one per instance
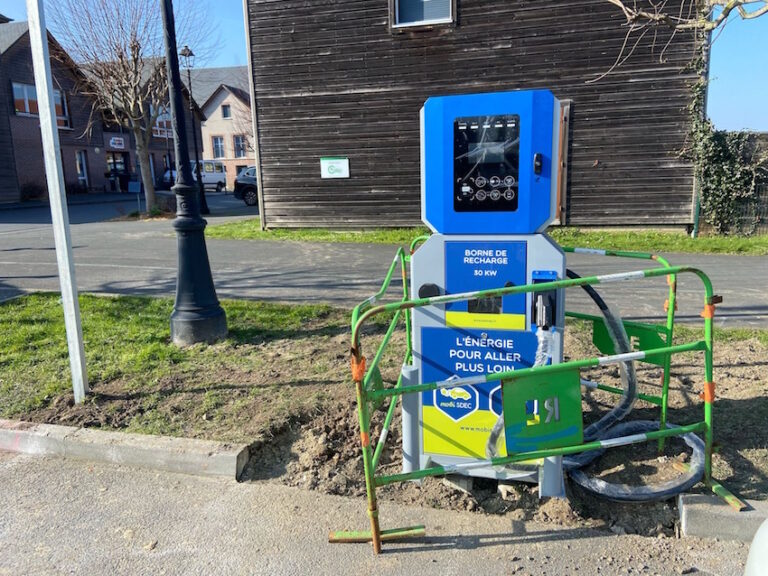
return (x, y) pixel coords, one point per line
(246, 187)
(214, 174)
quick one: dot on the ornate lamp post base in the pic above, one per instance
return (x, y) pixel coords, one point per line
(197, 315)
(189, 328)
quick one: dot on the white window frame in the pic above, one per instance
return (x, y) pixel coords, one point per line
(396, 11)
(229, 107)
(164, 116)
(81, 160)
(213, 146)
(28, 114)
(243, 147)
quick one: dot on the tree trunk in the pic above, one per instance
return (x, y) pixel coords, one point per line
(142, 153)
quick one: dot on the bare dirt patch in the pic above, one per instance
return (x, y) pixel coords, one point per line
(232, 391)
(323, 453)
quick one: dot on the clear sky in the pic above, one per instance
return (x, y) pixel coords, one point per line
(738, 89)
(738, 94)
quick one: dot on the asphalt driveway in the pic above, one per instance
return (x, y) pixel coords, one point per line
(140, 258)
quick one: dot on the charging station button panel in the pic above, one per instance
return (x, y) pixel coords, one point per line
(486, 163)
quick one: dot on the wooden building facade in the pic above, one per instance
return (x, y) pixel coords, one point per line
(345, 78)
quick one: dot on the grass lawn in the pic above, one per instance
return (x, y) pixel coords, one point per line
(251, 230)
(278, 362)
(285, 369)
(640, 240)
(660, 242)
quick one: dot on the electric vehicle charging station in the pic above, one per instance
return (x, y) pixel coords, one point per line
(485, 389)
(488, 191)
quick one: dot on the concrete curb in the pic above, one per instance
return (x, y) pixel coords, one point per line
(707, 516)
(183, 455)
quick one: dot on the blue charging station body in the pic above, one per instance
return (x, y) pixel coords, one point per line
(489, 190)
(525, 125)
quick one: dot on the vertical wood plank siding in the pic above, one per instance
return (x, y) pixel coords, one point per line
(332, 79)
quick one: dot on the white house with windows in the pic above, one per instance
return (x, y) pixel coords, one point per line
(227, 129)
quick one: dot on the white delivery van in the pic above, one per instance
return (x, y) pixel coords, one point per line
(214, 174)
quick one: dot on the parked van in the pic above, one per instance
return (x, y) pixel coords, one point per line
(214, 174)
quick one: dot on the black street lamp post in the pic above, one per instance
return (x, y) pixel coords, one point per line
(188, 60)
(197, 315)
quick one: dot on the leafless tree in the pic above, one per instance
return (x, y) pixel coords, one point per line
(664, 19)
(119, 46)
(703, 15)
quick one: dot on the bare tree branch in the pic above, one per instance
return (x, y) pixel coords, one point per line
(119, 47)
(703, 15)
(667, 18)
(621, 58)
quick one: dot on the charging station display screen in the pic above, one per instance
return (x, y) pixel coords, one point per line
(486, 163)
(486, 152)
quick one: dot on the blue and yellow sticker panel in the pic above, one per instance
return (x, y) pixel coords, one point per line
(457, 421)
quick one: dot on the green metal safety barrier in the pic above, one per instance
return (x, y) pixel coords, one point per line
(654, 345)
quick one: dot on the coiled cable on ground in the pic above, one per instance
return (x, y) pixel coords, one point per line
(610, 426)
(650, 492)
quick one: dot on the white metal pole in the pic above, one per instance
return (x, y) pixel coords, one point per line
(38, 39)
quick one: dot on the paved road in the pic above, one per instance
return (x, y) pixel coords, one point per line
(139, 258)
(67, 517)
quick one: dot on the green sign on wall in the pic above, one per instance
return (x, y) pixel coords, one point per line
(542, 411)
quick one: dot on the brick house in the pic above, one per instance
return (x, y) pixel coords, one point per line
(120, 147)
(22, 171)
(95, 157)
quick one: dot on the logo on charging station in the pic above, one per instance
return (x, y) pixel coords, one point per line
(456, 403)
(495, 401)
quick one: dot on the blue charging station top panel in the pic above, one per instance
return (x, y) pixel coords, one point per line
(487, 163)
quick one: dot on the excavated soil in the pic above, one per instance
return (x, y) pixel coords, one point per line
(323, 452)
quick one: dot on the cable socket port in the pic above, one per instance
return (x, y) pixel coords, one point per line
(544, 304)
